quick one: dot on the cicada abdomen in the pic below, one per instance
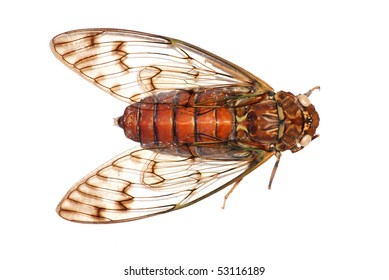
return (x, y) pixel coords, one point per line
(176, 118)
(203, 123)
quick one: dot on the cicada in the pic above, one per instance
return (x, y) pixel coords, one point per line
(203, 123)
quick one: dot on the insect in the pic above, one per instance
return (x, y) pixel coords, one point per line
(203, 123)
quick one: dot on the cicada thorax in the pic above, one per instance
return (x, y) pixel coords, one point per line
(257, 122)
(276, 122)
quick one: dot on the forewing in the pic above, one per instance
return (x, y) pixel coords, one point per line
(141, 183)
(131, 65)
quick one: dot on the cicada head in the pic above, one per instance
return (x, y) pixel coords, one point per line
(299, 121)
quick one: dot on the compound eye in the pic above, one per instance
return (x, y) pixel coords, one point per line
(305, 140)
(304, 100)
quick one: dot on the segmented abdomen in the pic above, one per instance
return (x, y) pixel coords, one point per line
(178, 117)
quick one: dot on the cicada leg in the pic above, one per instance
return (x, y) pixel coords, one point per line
(230, 192)
(273, 173)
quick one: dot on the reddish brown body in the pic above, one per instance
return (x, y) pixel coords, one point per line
(270, 121)
(173, 118)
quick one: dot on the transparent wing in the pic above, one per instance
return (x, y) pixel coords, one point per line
(141, 183)
(131, 65)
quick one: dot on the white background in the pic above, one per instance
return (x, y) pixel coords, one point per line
(327, 214)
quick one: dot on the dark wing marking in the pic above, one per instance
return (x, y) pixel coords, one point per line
(132, 65)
